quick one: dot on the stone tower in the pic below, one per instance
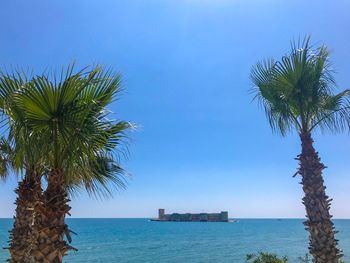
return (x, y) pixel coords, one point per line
(161, 213)
(224, 216)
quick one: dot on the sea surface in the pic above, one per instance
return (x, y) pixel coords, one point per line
(141, 241)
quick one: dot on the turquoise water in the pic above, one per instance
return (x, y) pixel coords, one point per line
(141, 241)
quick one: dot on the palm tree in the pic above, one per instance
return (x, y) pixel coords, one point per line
(80, 142)
(21, 155)
(86, 148)
(29, 195)
(5, 159)
(297, 93)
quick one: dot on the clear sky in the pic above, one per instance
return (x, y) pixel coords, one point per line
(201, 144)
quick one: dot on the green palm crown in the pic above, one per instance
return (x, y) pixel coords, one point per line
(297, 91)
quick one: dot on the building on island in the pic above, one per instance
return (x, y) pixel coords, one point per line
(188, 217)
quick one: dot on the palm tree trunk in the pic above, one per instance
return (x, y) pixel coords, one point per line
(322, 242)
(50, 227)
(28, 194)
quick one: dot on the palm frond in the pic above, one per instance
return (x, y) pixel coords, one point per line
(297, 91)
(6, 158)
(335, 113)
(100, 177)
(266, 92)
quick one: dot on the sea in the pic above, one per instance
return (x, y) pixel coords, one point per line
(144, 241)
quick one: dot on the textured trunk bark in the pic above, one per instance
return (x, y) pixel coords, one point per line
(322, 242)
(28, 194)
(50, 227)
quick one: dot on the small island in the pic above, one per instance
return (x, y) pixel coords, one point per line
(189, 217)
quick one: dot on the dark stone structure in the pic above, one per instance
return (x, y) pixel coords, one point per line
(188, 217)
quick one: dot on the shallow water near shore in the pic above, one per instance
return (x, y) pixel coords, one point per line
(141, 241)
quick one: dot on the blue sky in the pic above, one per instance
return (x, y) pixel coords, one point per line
(201, 144)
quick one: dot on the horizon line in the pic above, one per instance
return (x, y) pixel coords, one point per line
(239, 218)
